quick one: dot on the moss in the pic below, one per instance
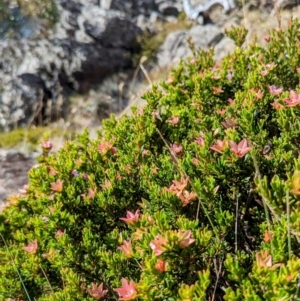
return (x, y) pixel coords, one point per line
(31, 137)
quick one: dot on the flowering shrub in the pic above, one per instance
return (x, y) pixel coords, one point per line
(195, 197)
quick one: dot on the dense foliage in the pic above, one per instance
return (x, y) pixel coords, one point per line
(194, 197)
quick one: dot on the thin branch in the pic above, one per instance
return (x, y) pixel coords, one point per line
(236, 223)
(288, 223)
(297, 290)
(218, 272)
(46, 278)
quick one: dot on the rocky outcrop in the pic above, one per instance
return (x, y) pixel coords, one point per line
(93, 39)
(14, 167)
(193, 12)
(176, 45)
(87, 44)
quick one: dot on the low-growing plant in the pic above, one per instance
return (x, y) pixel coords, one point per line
(194, 197)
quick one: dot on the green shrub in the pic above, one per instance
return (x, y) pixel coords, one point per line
(194, 197)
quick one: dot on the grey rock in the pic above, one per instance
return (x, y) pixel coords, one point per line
(14, 167)
(114, 32)
(105, 4)
(193, 12)
(169, 7)
(223, 48)
(38, 75)
(176, 47)
(133, 8)
(283, 4)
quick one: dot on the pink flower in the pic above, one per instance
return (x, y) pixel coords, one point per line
(178, 186)
(270, 66)
(229, 123)
(259, 94)
(57, 186)
(144, 153)
(158, 245)
(217, 90)
(24, 190)
(219, 146)
(276, 105)
(97, 292)
(187, 197)
(200, 141)
(240, 149)
(294, 99)
(131, 218)
(127, 291)
(231, 101)
(107, 185)
(52, 171)
(59, 233)
(178, 189)
(140, 111)
(221, 112)
(114, 151)
(264, 260)
(229, 76)
(174, 120)
(177, 149)
(267, 39)
(195, 161)
(161, 266)
(92, 193)
(31, 247)
(274, 90)
(45, 219)
(126, 248)
(154, 170)
(184, 238)
(170, 80)
(193, 61)
(75, 173)
(47, 145)
(104, 147)
(264, 72)
(78, 162)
